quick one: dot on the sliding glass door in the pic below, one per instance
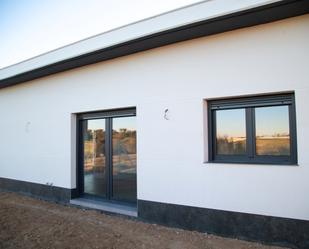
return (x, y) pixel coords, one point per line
(108, 156)
(124, 158)
(94, 155)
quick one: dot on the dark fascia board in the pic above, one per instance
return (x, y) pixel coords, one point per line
(255, 16)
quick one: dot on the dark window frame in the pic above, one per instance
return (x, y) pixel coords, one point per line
(249, 104)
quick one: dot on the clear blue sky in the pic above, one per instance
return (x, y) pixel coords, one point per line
(32, 27)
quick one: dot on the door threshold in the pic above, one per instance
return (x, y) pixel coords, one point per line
(105, 206)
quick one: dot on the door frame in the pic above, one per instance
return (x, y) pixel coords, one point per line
(108, 115)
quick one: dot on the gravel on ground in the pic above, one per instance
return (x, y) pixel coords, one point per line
(27, 222)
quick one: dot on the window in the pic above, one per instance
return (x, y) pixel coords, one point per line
(253, 130)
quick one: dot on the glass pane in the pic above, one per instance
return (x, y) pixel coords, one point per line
(231, 132)
(94, 157)
(272, 131)
(124, 159)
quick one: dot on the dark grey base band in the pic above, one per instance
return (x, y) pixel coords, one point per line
(267, 229)
(41, 191)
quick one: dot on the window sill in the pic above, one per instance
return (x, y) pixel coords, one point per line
(250, 163)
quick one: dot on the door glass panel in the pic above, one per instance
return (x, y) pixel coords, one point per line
(272, 131)
(124, 159)
(231, 132)
(94, 157)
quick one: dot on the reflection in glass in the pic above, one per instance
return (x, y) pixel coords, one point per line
(94, 157)
(231, 132)
(124, 159)
(272, 131)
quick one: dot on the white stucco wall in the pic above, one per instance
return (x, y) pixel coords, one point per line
(37, 140)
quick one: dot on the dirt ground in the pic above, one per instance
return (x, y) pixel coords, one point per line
(30, 223)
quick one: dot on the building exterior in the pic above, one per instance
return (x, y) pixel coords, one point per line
(196, 118)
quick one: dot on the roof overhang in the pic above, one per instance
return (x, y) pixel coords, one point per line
(194, 21)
